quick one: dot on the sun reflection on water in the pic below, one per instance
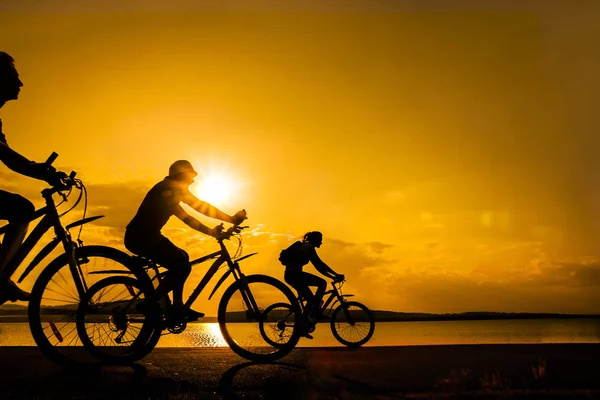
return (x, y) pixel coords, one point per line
(206, 335)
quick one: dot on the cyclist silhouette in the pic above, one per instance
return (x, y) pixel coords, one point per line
(294, 258)
(14, 208)
(143, 234)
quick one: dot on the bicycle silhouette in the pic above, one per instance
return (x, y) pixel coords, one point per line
(122, 320)
(351, 322)
(65, 280)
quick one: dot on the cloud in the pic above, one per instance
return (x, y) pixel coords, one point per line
(118, 202)
(581, 274)
(428, 271)
(379, 247)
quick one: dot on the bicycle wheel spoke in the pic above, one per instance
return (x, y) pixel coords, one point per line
(70, 301)
(71, 288)
(117, 326)
(71, 297)
(352, 324)
(55, 298)
(113, 299)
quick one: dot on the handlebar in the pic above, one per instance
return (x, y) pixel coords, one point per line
(51, 159)
(224, 235)
(66, 182)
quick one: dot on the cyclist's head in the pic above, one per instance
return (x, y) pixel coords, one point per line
(182, 171)
(315, 238)
(10, 84)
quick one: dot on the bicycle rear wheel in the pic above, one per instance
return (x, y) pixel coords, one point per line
(352, 324)
(241, 312)
(277, 324)
(54, 300)
(118, 321)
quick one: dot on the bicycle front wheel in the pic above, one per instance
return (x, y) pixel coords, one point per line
(119, 321)
(241, 313)
(55, 299)
(352, 324)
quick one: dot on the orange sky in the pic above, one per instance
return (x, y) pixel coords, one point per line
(448, 153)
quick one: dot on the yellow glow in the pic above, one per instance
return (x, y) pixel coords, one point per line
(297, 118)
(216, 335)
(217, 187)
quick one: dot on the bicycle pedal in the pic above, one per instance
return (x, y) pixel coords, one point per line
(177, 327)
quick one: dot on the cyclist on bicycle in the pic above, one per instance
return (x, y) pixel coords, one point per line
(294, 258)
(143, 234)
(14, 208)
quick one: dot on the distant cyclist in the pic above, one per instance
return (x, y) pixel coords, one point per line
(294, 258)
(14, 208)
(143, 234)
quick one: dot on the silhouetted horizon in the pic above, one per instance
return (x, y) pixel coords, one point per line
(380, 315)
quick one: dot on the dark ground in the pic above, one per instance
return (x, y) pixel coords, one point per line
(548, 371)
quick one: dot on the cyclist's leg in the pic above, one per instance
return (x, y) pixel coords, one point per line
(18, 211)
(176, 260)
(320, 283)
(295, 280)
(160, 249)
(298, 282)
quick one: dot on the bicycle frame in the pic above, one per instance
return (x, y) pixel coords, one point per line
(50, 219)
(334, 298)
(222, 256)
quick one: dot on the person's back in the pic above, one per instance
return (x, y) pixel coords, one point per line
(157, 207)
(14, 208)
(295, 256)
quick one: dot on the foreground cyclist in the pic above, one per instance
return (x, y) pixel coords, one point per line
(143, 234)
(294, 258)
(14, 208)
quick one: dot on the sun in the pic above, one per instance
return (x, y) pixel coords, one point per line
(215, 186)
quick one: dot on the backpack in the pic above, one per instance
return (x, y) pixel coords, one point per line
(288, 255)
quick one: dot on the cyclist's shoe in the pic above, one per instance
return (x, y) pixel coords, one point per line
(141, 306)
(307, 335)
(177, 314)
(180, 314)
(193, 315)
(13, 293)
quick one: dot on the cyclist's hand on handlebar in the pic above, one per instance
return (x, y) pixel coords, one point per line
(339, 278)
(239, 217)
(217, 231)
(58, 179)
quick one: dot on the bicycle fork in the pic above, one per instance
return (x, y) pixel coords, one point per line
(253, 311)
(75, 268)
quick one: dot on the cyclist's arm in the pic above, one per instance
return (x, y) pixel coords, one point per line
(191, 221)
(205, 208)
(321, 266)
(22, 165)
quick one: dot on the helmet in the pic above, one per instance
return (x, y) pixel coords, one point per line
(313, 237)
(181, 166)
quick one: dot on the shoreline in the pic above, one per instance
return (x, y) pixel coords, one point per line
(12, 318)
